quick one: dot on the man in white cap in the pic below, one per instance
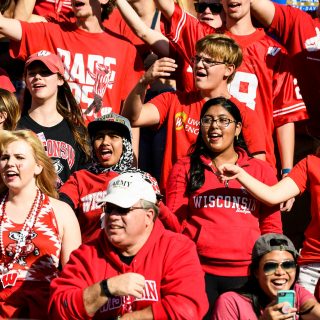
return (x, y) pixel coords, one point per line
(136, 269)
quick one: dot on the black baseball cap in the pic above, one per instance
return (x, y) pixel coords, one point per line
(111, 121)
(273, 241)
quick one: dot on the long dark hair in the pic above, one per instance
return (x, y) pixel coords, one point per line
(253, 291)
(199, 148)
(69, 109)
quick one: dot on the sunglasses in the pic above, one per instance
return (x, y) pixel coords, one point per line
(214, 7)
(108, 209)
(270, 267)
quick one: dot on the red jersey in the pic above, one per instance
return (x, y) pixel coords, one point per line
(174, 281)
(262, 81)
(300, 34)
(85, 189)
(223, 220)
(181, 113)
(100, 76)
(306, 175)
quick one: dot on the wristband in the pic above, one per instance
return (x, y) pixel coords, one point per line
(285, 170)
(105, 288)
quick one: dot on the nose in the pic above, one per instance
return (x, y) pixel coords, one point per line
(279, 270)
(106, 140)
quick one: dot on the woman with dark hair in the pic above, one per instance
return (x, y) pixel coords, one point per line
(54, 115)
(273, 268)
(223, 219)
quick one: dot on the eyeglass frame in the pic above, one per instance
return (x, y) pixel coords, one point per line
(214, 7)
(119, 210)
(207, 62)
(212, 121)
(276, 266)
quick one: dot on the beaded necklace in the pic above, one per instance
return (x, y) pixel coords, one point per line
(24, 233)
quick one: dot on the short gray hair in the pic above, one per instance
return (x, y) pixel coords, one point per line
(150, 205)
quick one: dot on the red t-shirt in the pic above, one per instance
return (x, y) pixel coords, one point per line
(306, 175)
(98, 65)
(262, 81)
(181, 113)
(300, 34)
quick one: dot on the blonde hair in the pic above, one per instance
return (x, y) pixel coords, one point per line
(46, 180)
(221, 47)
(9, 105)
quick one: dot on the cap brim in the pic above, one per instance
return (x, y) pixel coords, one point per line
(96, 126)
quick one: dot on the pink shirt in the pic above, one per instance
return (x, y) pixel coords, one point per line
(232, 306)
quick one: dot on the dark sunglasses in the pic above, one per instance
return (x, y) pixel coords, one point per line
(214, 7)
(108, 209)
(270, 267)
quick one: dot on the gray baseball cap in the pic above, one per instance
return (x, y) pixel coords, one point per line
(272, 241)
(111, 121)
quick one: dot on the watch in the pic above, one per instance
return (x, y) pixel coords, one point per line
(105, 288)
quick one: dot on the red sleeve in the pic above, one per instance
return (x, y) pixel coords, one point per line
(284, 21)
(299, 174)
(31, 33)
(163, 102)
(66, 299)
(184, 30)
(288, 105)
(177, 198)
(270, 217)
(182, 285)
(250, 126)
(71, 189)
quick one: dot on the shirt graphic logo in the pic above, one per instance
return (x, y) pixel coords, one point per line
(180, 118)
(102, 79)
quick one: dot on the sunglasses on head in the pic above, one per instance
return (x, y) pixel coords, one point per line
(214, 7)
(270, 267)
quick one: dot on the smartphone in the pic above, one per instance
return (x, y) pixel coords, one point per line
(286, 296)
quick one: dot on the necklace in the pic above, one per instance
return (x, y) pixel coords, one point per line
(226, 182)
(6, 267)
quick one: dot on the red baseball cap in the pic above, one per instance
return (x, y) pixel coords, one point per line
(51, 61)
(5, 82)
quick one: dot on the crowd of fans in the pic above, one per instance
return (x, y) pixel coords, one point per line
(150, 151)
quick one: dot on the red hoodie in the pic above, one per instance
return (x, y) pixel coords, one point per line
(174, 279)
(223, 221)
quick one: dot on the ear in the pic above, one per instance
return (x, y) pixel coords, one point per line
(38, 169)
(60, 81)
(3, 116)
(230, 69)
(238, 129)
(149, 216)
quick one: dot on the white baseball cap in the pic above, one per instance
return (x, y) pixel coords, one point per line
(127, 189)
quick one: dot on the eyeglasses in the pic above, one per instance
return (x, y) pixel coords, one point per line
(214, 7)
(221, 122)
(108, 209)
(207, 62)
(270, 267)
